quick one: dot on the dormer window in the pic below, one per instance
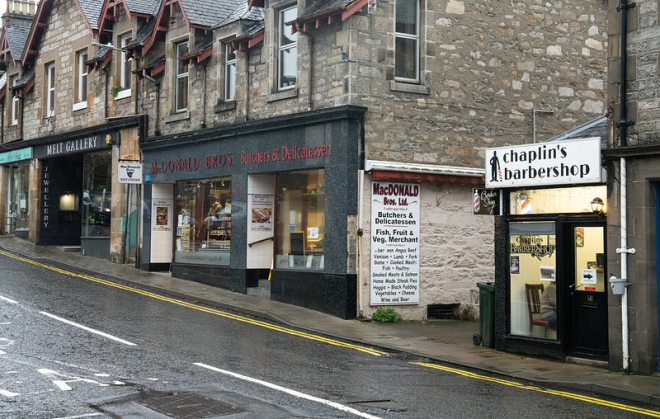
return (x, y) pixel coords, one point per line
(230, 73)
(288, 50)
(126, 65)
(181, 94)
(406, 61)
(81, 81)
(13, 80)
(50, 90)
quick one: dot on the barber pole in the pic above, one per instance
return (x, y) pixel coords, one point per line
(477, 202)
(526, 207)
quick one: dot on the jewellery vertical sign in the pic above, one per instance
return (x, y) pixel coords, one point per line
(394, 243)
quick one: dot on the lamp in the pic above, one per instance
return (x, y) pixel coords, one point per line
(68, 202)
(598, 206)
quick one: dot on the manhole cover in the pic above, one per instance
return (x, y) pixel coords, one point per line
(186, 405)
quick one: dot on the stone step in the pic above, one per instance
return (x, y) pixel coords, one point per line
(264, 283)
(261, 292)
(70, 249)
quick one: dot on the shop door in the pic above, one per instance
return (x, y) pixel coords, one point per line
(587, 324)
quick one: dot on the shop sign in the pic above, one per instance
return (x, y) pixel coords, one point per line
(485, 201)
(129, 173)
(395, 243)
(74, 146)
(550, 163)
(16, 155)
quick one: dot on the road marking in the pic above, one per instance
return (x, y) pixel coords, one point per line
(87, 415)
(201, 308)
(289, 391)
(8, 393)
(574, 396)
(125, 342)
(62, 384)
(9, 300)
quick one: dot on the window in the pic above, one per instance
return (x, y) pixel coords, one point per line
(81, 81)
(300, 231)
(288, 50)
(96, 194)
(406, 60)
(50, 90)
(13, 80)
(126, 67)
(181, 98)
(203, 217)
(230, 73)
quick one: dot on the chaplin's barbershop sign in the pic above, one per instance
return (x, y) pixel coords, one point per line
(549, 163)
(73, 146)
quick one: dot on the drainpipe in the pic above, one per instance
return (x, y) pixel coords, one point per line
(246, 102)
(310, 43)
(204, 94)
(623, 125)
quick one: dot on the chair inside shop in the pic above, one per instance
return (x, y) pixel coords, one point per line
(534, 292)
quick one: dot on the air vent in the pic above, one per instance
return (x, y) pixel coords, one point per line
(441, 311)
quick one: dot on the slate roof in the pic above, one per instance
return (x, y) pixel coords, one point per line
(242, 12)
(147, 7)
(92, 10)
(143, 33)
(209, 12)
(17, 36)
(593, 128)
(3, 81)
(27, 75)
(321, 6)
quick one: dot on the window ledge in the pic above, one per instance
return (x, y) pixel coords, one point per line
(284, 94)
(222, 106)
(123, 94)
(79, 106)
(409, 88)
(179, 116)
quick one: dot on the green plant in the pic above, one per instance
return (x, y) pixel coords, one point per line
(114, 90)
(466, 313)
(385, 315)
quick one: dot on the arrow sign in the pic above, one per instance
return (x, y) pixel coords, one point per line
(589, 276)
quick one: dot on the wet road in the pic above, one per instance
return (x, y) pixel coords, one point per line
(73, 347)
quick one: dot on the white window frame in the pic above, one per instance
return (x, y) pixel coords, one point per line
(180, 76)
(124, 75)
(281, 49)
(415, 37)
(230, 74)
(14, 102)
(50, 90)
(81, 81)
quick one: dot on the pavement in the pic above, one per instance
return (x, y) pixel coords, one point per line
(444, 341)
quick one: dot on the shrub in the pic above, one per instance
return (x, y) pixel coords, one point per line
(385, 315)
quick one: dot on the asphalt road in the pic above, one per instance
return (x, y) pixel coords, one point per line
(76, 346)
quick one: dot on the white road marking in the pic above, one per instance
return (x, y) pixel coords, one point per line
(9, 300)
(125, 342)
(62, 384)
(289, 391)
(8, 393)
(87, 415)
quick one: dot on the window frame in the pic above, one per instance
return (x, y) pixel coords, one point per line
(414, 37)
(180, 76)
(50, 90)
(230, 76)
(125, 66)
(281, 49)
(81, 80)
(14, 101)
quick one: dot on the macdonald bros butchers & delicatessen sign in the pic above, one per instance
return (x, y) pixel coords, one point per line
(550, 163)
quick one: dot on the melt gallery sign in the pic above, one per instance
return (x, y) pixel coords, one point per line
(543, 164)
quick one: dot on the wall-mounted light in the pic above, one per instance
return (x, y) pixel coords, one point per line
(598, 206)
(68, 202)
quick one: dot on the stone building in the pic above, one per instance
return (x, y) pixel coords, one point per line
(331, 146)
(634, 191)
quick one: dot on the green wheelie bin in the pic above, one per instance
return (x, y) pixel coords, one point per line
(486, 335)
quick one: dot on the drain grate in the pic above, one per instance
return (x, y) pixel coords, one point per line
(186, 405)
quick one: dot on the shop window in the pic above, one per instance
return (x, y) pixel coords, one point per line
(203, 211)
(300, 238)
(96, 195)
(126, 65)
(230, 73)
(287, 50)
(14, 101)
(81, 81)
(407, 44)
(555, 201)
(50, 90)
(181, 93)
(18, 194)
(532, 269)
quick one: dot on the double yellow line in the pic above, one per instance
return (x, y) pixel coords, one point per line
(201, 308)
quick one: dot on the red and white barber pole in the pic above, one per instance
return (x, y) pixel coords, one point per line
(526, 207)
(477, 202)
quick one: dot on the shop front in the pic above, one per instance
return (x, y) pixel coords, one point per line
(268, 199)
(550, 284)
(15, 199)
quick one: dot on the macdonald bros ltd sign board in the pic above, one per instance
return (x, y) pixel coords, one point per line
(550, 163)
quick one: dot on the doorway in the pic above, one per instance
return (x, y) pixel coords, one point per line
(587, 325)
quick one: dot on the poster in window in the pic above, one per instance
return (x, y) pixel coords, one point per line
(515, 265)
(161, 219)
(262, 212)
(579, 237)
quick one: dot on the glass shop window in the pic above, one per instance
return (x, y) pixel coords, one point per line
(18, 198)
(96, 196)
(532, 267)
(203, 211)
(555, 200)
(300, 238)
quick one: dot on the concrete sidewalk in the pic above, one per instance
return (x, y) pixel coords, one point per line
(445, 341)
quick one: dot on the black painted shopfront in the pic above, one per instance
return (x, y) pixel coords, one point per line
(271, 198)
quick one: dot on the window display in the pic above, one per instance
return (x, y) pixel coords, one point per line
(300, 238)
(203, 220)
(96, 196)
(18, 198)
(532, 269)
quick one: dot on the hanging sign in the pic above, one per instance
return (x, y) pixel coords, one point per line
(549, 163)
(394, 243)
(485, 201)
(129, 173)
